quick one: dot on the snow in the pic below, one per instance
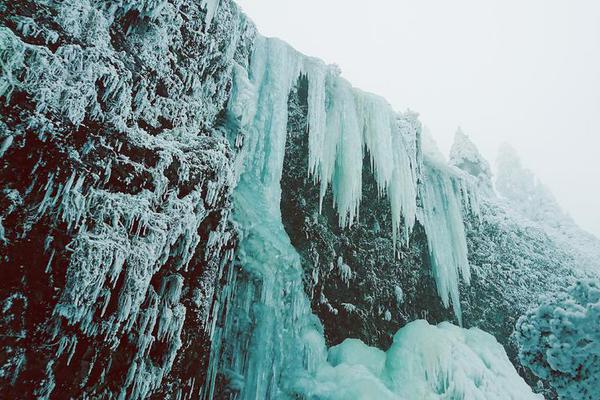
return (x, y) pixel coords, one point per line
(559, 341)
(399, 295)
(424, 362)
(344, 270)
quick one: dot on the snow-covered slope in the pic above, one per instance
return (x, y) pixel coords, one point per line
(531, 200)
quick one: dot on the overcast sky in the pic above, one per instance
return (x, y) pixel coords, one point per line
(525, 72)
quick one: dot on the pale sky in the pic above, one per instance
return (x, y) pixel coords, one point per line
(525, 72)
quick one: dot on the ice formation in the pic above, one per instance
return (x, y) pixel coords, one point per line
(424, 362)
(444, 195)
(211, 8)
(344, 122)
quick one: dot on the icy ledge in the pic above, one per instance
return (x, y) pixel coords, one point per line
(425, 362)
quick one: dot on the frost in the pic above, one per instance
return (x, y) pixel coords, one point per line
(464, 155)
(5, 145)
(560, 342)
(399, 294)
(531, 201)
(387, 315)
(350, 308)
(3, 239)
(344, 270)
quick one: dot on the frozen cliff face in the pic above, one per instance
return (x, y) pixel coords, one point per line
(115, 196)
(350, 137)
(524, 191)
(268, 343)
(191, 209)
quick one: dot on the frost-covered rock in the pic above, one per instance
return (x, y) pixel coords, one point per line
(524, 190)
(115, 195)
(560, 341)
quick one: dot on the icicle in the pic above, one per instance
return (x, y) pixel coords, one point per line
(443, 221)
(344, 270)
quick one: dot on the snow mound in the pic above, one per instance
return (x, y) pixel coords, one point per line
(425, 362)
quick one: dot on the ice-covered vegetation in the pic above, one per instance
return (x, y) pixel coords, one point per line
(560, 341)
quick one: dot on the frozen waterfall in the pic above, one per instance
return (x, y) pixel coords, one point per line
(268, 340)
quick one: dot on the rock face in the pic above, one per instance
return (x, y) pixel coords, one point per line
(119, 155)
(115, 193)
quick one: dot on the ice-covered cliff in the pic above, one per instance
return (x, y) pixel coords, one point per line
(190, 209)
(115, 194)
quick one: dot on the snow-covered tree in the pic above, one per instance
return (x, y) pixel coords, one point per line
(560, 341)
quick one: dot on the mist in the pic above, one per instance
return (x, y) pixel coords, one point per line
(527, 73)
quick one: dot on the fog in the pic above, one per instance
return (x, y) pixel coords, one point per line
(523, 72)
